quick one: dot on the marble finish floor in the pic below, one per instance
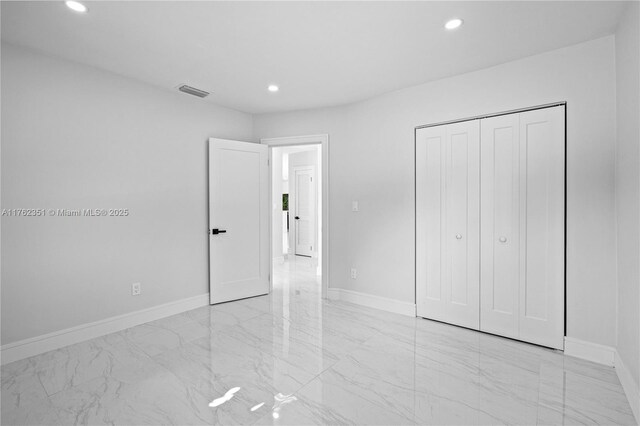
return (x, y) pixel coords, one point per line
(291, 358)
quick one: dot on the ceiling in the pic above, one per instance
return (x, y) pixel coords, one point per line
(319, 53)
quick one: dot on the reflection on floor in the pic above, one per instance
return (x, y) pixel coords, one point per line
(292, 358)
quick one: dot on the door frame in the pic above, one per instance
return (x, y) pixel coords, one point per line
(292, 189)
(323, 253)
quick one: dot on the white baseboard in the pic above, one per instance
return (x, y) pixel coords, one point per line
(47, 342)
(377, 302)
(590, 351)
(629, 385)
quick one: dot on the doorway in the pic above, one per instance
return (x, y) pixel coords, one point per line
(299, 207)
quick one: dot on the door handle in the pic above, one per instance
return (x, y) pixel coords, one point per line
(217, 231)
(297, 218)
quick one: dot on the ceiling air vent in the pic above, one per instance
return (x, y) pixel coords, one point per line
(193, 91)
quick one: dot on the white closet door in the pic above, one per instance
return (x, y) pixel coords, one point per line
(522, 227)
(500, 225)
(542, 287)
(447, 223)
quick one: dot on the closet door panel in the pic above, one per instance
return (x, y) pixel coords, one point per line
(462, 222)
(447, 223)
(430, 162)
(542, 290)
(500, 227)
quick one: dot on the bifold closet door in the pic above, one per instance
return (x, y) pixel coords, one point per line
(500, 214)
(522, 226)
(447, 223)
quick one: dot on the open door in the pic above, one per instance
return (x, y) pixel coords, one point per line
(238, 220)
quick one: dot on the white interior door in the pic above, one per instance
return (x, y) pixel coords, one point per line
(304, 211)
(447, 223)
(238, 220)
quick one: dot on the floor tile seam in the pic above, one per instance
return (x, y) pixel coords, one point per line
(167, 329)
(468, 405)
(605, 384)
(308, 329)
(258, 314)
(63, 388)
(61, 407)
(297, 391)
(143, 330)
(14, 376)
(355, 383)
(259, 349)
(265, 352)
(39, 366)
(16, 409)
(174, 328)
(321, 351)
(51, 404)
(182, 340)
(273, 316)
(574, 412)
(137, 346)
(109, 348)
(613, 386)
(168, 370)
(538, 394)
(101, 376)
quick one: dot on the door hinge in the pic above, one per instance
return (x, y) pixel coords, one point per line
(269, 277)
(267, 161)
(310, 179)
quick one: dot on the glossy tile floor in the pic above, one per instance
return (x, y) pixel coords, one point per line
(291, 358)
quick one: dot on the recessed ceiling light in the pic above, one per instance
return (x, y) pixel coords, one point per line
(452, 24)
(273, 88)
(76, 6)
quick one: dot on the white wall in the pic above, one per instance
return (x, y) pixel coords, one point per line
(76, 137)
(628, 188)
(372, 161)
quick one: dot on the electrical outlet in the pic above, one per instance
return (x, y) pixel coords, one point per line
(354, 273)
(354, 206)
(135, 289)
